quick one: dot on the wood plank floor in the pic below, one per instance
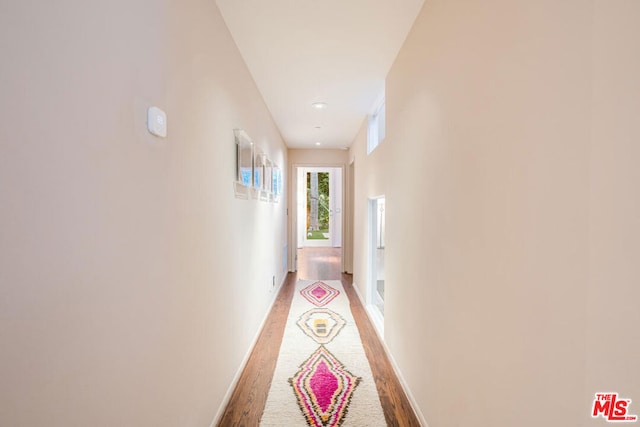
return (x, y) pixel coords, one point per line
(248, 399)
(320, 263)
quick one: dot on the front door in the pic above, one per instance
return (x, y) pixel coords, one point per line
(319, 214)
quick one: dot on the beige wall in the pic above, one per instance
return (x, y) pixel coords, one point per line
(132, 281)
(613, 317)
(327, 157)
(510, 176)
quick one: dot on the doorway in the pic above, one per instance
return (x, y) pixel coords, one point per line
(319, 207)
(319, 222)
(376, 288)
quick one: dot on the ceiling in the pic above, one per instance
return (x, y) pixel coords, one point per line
(333, 51)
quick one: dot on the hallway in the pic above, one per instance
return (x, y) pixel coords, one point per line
(248, 399)
(149, 153)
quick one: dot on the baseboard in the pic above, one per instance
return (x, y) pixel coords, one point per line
(245, 360)
(405, 387)
(394, 365)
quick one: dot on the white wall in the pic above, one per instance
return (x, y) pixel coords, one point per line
(509, 169)
(132, 281)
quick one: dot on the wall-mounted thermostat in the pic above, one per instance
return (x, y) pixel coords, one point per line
(157, 122)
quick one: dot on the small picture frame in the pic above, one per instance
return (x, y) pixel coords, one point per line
(276, 182)
(268, 176)
(244, 163)
(258, 169)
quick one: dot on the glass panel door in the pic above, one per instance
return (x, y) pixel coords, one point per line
(319, 214)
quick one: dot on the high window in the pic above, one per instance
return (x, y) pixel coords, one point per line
(377, 127)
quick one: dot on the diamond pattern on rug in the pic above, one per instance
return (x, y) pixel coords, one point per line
(323, 388)
(321, 324)
(319, 293)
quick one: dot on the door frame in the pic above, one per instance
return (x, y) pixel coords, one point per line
(372, 294)
(293, 214)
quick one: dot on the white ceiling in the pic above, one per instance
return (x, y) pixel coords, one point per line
(305, 51)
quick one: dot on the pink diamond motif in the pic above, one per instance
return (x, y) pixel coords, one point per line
(319, 293)
(323, 388)
(323, 384)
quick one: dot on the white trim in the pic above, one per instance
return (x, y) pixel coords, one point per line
(396, 368)
(373, 298)
(377, 319)
(245, 360)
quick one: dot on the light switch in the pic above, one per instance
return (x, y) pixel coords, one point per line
(157, 122)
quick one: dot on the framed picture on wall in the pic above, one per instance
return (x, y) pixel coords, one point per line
(276, 182)
(268, 177)
(258, 171)
(244, 162)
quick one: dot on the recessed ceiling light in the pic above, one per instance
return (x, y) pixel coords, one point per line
(318, 143)
(318, 127)
(319, 105)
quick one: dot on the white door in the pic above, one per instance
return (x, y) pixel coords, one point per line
(318, 213)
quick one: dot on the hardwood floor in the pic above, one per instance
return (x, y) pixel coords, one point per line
(320, 263)
(248, 399)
